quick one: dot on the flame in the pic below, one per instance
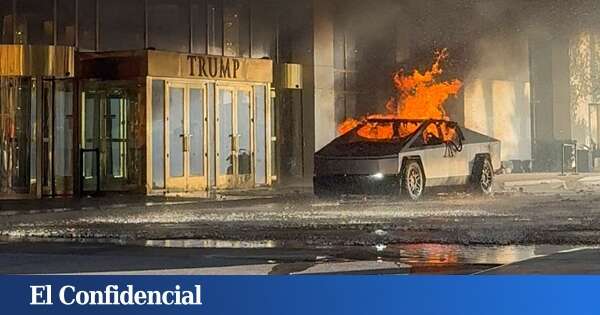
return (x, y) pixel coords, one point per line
(418, 96)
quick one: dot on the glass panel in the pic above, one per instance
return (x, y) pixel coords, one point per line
(116, 129)
(63, 136)
(35, 22)
(91, 118)
(168, 25)
(211, 134)
(121, 24)
(225, 132)
(47, 134)
(89, 170)
(15, 129)
(6, 24)
(215, 27)
(231, 28)
(260, 146)
(273, 133)
(263, 29)
(90, 134)
(176, 132)
(117, 151)
(244, 131)
(65, 22)
(196, 133)
(87, 24)
(158, 134)
(33, 138)
(198, 26)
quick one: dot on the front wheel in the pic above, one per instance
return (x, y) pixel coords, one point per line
(413, 180)
(482, 178)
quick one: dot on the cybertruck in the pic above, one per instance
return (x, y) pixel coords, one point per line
(406, 157)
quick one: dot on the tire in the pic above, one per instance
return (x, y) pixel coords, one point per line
(413, 180)
(482, 178)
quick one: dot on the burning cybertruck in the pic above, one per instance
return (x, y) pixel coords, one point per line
(406, 157)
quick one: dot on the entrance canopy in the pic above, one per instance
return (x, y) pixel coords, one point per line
(153, 63)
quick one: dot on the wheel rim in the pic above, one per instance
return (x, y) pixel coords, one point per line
(486, 177)
(414, 182)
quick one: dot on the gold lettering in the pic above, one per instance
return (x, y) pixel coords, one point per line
(236, 67)
(213, 70)
(225, 73)
(202, 67)
(191, 60)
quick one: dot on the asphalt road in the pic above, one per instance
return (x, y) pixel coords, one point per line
(305, 222)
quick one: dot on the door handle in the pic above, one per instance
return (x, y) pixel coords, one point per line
(184, 139)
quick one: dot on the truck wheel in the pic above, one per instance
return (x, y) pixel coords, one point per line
(413, 180)
(482, 178)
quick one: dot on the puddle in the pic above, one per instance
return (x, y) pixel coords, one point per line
(440, 254)
(436, 256)
(208, 243)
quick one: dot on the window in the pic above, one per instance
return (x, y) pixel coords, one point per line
(6, 23)
(35, 22)
(236, 28)
(345, 69)
(168, 25)
(158, 134)
(198, 20)
(264, 25)
(215, 27)
(121, 24)
(87, 24)
(65, 22)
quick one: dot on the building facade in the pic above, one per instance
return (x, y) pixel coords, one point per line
(136, 96)
(158, 96)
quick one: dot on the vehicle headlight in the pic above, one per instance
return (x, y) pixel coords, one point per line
(377, 176)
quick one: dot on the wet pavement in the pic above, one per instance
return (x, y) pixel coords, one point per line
(453, 232)
(458, 218)
(178, 257)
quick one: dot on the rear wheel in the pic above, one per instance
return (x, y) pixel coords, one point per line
(413, 180)
(482, 179)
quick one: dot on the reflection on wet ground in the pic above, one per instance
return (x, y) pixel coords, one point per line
(423, 258)
(206, 243)
(435, 254)
(461, 259)
(420, 258)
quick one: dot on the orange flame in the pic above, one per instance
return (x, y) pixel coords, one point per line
(418, 96)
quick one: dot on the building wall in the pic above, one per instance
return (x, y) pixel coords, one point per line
(220, 27)
(497, 93)
(324, 100)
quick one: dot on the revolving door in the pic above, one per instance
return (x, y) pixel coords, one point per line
(36, 136)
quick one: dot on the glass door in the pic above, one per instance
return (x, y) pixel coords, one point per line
(105, 139)
(196, 138)
(114, 148)
(244, 139)
(234, 130)
(185, 138)
(15, 135)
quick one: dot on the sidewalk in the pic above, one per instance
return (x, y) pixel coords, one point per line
(535, 183)
(548, 182)
(118, 200)
(572, 262)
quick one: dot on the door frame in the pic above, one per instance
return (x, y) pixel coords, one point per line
(187, 182)
(211, 131)
(101, 142)
(234, 180)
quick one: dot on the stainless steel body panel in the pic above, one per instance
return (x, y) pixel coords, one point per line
(356, 166)
(443, 164)
(443, 169)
